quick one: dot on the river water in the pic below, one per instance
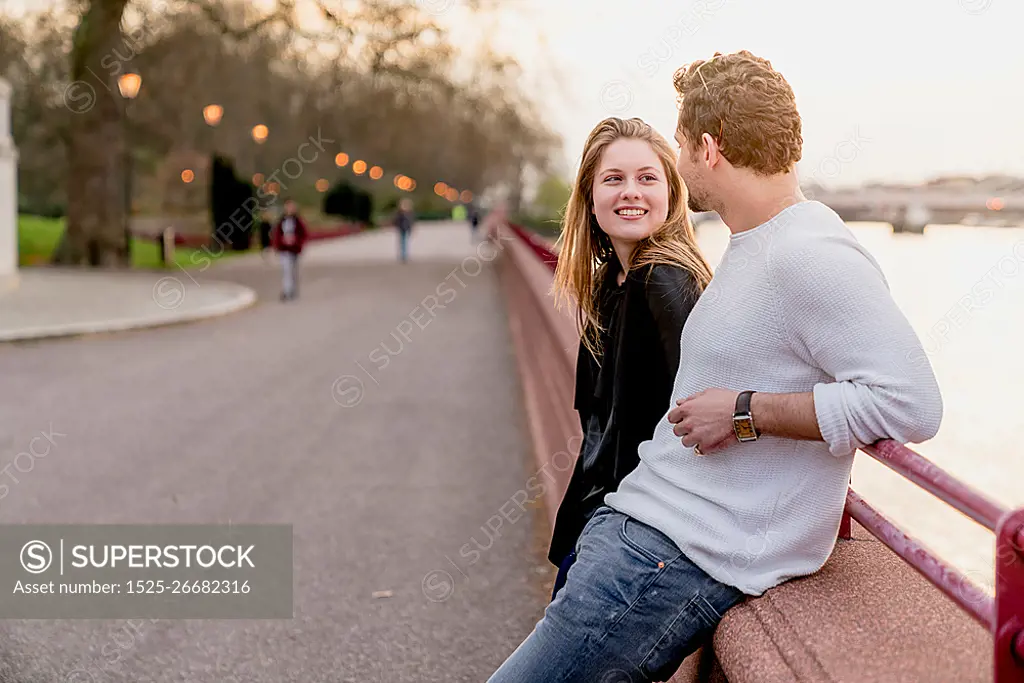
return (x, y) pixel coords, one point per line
(962, 288)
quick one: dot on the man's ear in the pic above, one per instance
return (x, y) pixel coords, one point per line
(712, 154)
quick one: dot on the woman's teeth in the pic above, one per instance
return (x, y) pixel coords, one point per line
(631, 212)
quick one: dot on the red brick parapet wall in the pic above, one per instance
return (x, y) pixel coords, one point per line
(866, 616)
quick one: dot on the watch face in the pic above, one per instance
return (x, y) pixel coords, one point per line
(744, 427)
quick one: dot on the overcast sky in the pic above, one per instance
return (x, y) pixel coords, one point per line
(887, 90)
(899, 91)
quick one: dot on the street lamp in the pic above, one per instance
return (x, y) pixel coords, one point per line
(212, 114)
(260, 133)
(129, 85)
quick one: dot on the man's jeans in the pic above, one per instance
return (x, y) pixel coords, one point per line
(633, 607)
(289, 274)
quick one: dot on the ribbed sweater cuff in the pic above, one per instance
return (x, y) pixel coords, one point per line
(830, 409)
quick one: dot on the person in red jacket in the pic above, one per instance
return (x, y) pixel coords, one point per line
(288, 238)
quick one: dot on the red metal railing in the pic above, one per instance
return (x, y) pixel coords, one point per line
(1002, 615)
(540, 246)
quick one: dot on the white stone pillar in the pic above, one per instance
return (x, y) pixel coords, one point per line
(8, 195)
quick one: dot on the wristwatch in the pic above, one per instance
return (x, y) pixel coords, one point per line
(742, 420)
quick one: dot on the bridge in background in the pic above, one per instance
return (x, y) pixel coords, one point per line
(910, 210)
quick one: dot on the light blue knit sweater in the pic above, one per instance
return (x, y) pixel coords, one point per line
(796, 305)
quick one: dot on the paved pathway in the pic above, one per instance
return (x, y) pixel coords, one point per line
(54, 302)
(242, 418)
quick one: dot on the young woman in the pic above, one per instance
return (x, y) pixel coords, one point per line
(629, 262)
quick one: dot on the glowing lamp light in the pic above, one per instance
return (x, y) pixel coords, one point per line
(452, 194)
(257, 180)
(440, 189)
(187, 176)
(212, 114)
(129, 85)
(322, 185)
(273, 188)
(260, 133)
(995, 204)
(466, 196)
(376, 172)
(359, 167)
(340, 159)
(412, 185)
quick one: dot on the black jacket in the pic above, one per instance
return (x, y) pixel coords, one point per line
(620, 401)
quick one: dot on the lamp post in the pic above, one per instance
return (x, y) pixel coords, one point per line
(212, 114)
(128, 84)
(260, 133)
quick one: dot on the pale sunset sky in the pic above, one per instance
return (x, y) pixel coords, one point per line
(891, 91)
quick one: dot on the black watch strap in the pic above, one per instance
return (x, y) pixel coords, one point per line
(743, 403)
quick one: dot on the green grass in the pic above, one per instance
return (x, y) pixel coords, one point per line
(38, 237)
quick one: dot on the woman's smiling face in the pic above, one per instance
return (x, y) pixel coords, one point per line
(630, 193)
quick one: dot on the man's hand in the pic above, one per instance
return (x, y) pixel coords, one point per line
(705, 420)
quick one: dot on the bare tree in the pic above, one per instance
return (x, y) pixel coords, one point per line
(376, 76)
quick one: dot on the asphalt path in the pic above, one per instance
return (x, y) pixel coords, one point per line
(391, 474)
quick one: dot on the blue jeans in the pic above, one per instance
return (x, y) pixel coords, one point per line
(289, 273)
(403, 245)
(632, 608)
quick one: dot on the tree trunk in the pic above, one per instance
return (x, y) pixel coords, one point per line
(95, 233)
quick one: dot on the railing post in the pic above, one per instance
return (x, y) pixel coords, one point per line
(845, 524)
(1009, 626)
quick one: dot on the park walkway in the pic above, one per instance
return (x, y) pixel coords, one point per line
(288, 413)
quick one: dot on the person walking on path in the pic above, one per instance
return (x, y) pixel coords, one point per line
(474, 222)
(288, 238)
(404, 220)
(265, 225)
(794, 356)
(633, 269)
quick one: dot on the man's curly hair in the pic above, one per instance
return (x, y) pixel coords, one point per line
(747, 106)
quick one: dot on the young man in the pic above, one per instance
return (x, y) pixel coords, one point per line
(737, 492)
(288, 238)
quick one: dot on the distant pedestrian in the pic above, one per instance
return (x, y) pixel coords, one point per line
(404, 219)
(474, 221)
(288, 238)
(265, 224)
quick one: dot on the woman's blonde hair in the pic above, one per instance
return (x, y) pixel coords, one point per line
(584, 250)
